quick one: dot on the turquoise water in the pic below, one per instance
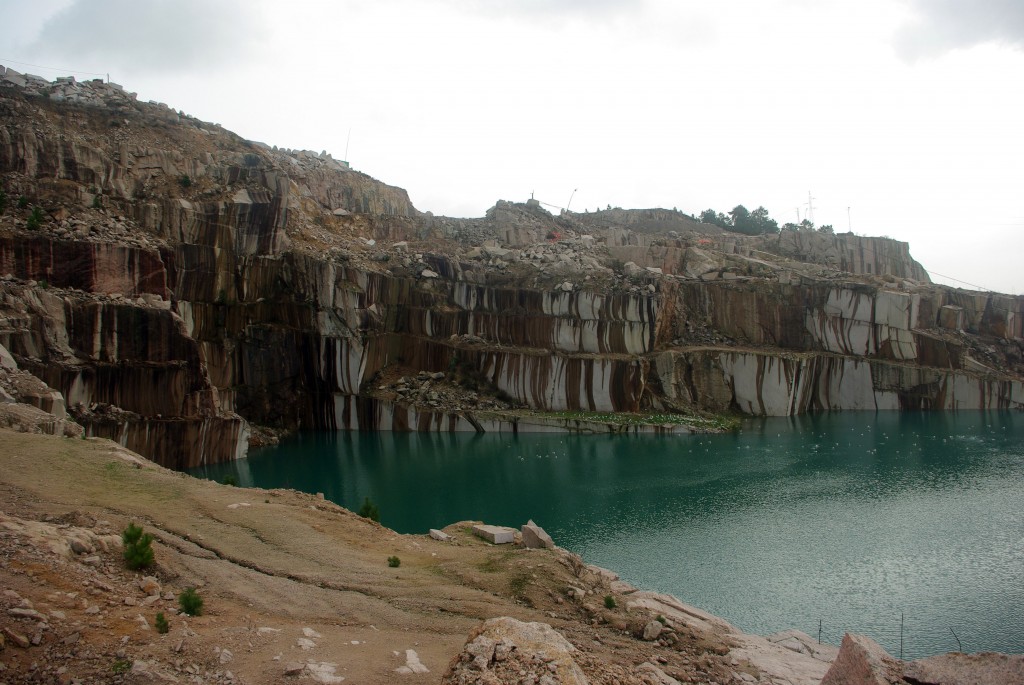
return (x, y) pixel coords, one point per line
(847, 518)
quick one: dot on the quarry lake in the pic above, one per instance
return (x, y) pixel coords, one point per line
(851, 519)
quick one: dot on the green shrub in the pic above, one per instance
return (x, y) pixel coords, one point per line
(162, 626)
(190, 602)
(138, 550)
(35, 219)
(121, 666)
(3, 202)
(97, 202)
(184, 181)
(369, 510)
(394, 562)
(609, 602)
(230, 480)
(22, 202)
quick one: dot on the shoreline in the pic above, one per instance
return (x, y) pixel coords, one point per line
(244, 548)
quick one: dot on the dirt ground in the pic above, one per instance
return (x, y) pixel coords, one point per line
(291, 584)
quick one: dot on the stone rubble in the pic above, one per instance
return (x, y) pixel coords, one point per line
(506, 650)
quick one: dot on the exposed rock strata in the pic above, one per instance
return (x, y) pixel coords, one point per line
(184, 282)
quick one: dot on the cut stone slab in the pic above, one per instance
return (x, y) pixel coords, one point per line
(498, 535)
(440, 535)
(535, 537)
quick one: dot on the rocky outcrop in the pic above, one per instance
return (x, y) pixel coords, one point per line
(506, 650)
(173, 283)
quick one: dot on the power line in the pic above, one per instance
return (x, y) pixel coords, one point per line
(40, 66)
(973, 285)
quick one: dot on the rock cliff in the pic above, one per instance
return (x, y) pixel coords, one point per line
(176, 285)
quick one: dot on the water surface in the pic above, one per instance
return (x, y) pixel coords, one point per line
(851, 519)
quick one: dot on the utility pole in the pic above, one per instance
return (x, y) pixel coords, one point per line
(849, 224)
(810, 207)
(570, 199)
(347, 140)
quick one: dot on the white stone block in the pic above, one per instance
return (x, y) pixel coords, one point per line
(498, 535)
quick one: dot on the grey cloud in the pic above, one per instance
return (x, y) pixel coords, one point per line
(160, 35)
(587, 9)
(943, 25)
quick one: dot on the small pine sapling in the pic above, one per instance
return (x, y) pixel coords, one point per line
(190, 602)
(394, 562)
(162, 626)
(138, 550)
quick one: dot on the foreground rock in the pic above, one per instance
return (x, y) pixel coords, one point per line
(536, 537)
(862, 661)
(505, 650)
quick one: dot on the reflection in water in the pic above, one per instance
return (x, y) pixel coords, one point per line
(848, 518)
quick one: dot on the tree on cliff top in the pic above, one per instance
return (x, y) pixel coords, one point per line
(742, 220)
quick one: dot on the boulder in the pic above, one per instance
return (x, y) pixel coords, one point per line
(631, 269)
(440, 535)
(150, 585)
(986, 668)
(652, 630)
(535, 537)
(16, 638)
(862, 661)
(506, 650)
(652, 674)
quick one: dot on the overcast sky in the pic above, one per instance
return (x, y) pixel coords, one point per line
(902, 118)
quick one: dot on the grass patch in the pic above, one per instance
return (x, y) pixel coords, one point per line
(517, 585)
(495, 562)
